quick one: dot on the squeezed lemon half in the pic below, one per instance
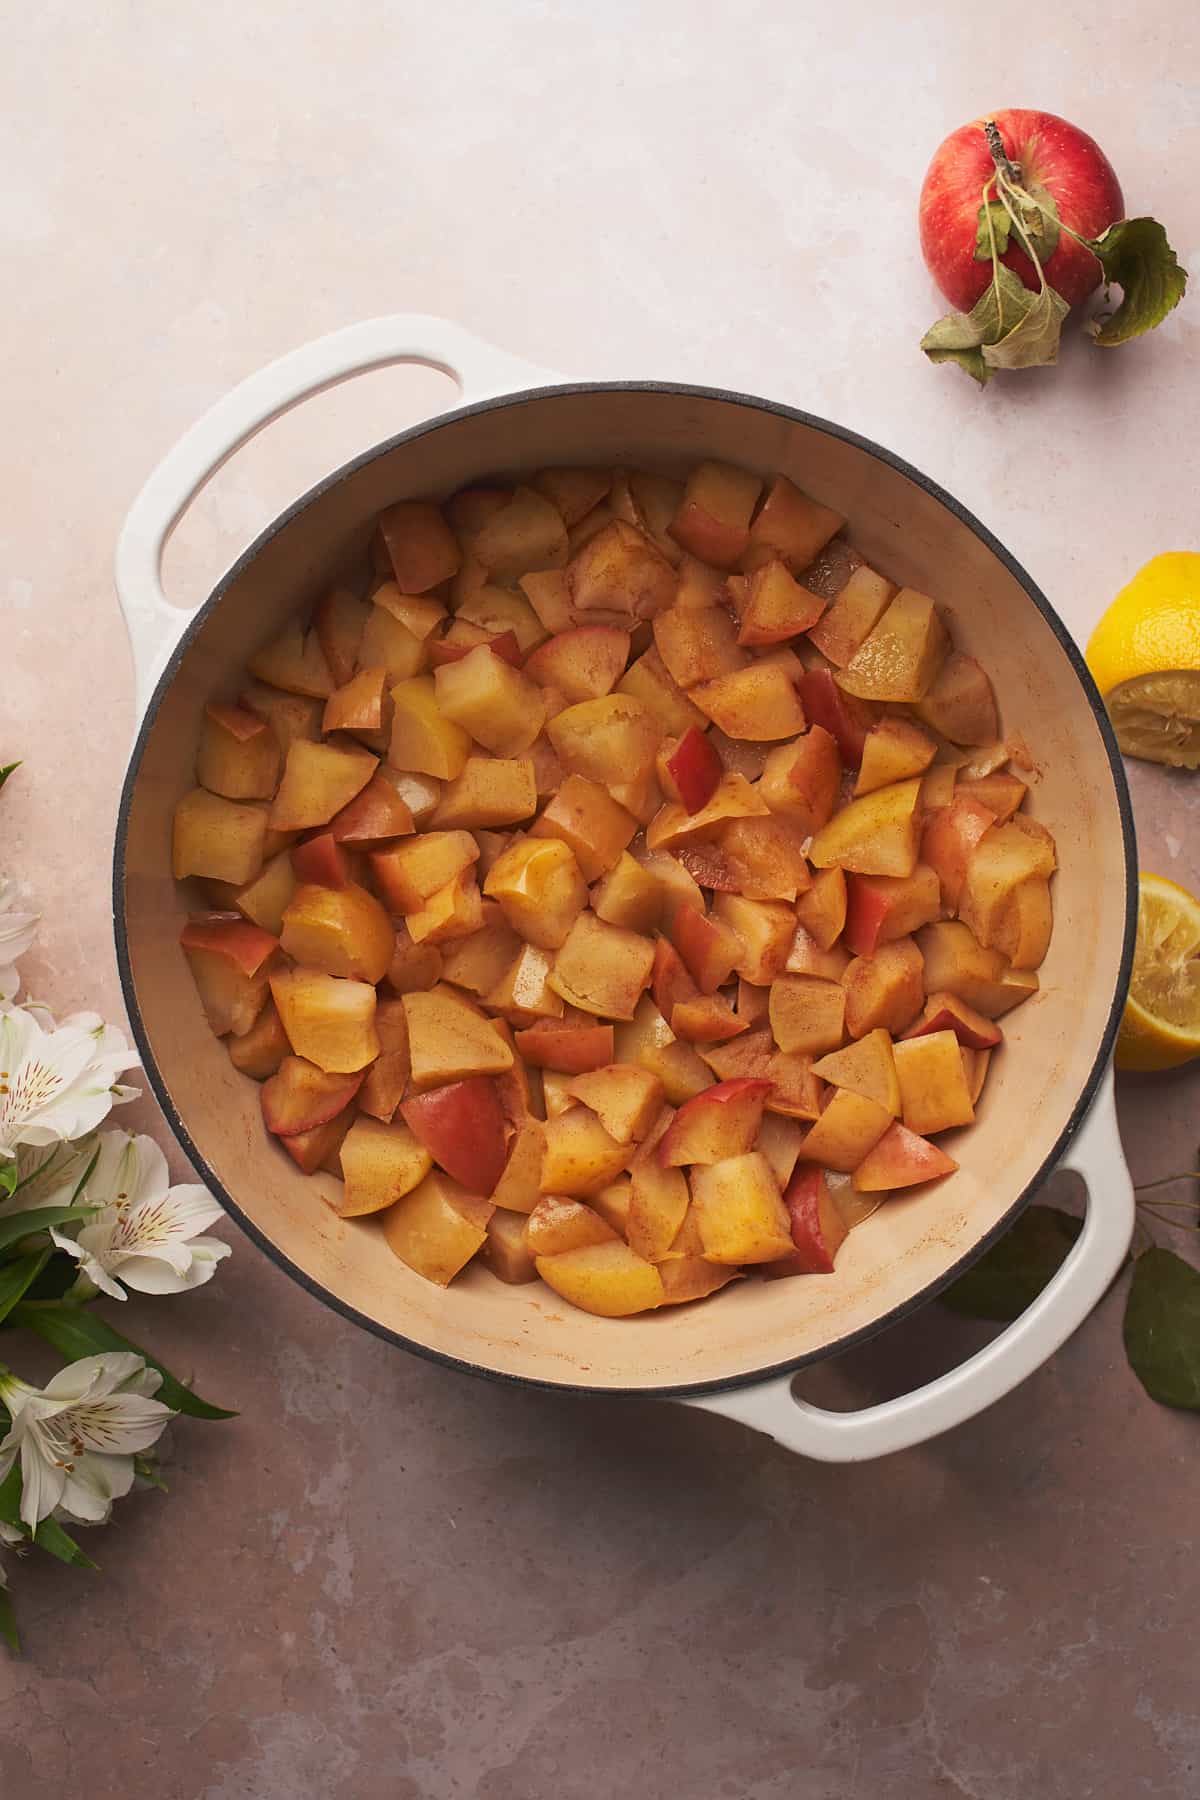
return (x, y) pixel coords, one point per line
(1161, 1025)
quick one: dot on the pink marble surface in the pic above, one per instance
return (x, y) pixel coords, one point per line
(383, 1580)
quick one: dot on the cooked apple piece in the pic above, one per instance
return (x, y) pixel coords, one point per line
(421, 613)
(239, 754)
(795, 1091)
(806, 957)
(764, 931)
(520, 1186)
(900, 1159)
(259, 1051)
(1000, 792)
(867, 1067)
(421, 547)
(698, 646)
(937, 789)
(705, 1019)
(540, 889)
(424, 741)
(895, 749)
(881, 908)
(505, 1251)
(583, 663)
(321, 861)
(739, 1210)
(300, 1097)
(414, 968)
(608, 1279)
(548, 594)
(933, 1086)
(984, 759)
(376, 814)
(817, 1227)
(848, 1128)
(901, 657)
(841, 632)
(956, 962)
(1022, 932)
(687, 1278)
(380, 1164)
(579, 1157)
(388, 644)
(490, 791)
(960, 702)
(230, 962)
(438, 1227)
(822, 910)
(779, 1140)
(339, 931)
(759, 703)
(449, 1039)
(497, 610)
(574, 492)
(480, 962)
(670, 982)
(776, 607)
(975, 1067)
(294, 662)
(557, 1225)
(801, 780)
(628, 896)
(746, 1057)
(763, 859)
(885, 990)
(567, 1047)
(420, 793)
(845, 718)
(709, 948)
(592, 825)
(949, 839)
(527, 532)
(649, 1042)
(713, 520)
(722, 1121)
(463, 1128)
(613, 739)
(602, 969)
(656, 501)
(947, 1012)
(318, 781)
(676, 887)
(290, 716)
(659, 1199)
(495, 703)
(619, 571)
(625, 1098)
(612, 1203)
(386, 1085)
(461, 638)
(791, 526)
(673, 826)
(877, 835)
(468, 510)
(1002, 860)
(555, 1098)
(329, 1021)
(700, 584)
(454, 911)
(220, 840)
(648, 679)
(752, 1001)
(690, 770)
(407, 873)
(807, 1014)
(523, 993)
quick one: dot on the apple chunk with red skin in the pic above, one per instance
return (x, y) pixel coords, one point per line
(845, 718)
(709, 950)
(299, 1096)
(723, 1121)
(900, 1159)
(462, 1126)
(818, 1228)
(695, 768)
(947, 1012)
(229, 960)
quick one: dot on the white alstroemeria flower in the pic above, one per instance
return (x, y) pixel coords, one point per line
(17, 932)
(49, 1174)
(78, 1436)
(148, 1232)
(58, 1082)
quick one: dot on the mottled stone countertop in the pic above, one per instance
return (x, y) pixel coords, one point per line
(384, 1581)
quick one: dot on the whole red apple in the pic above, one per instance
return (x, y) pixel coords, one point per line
(1047, 150)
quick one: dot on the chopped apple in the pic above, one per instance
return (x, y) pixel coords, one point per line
(340, 931)
(901, 657)
(259, 1051)
(299, 1097)
(700, 585)
(505, 1251)
(709, 948)
(895, 749)
(705, 1019)
(746, 1057)
(290, 716)
(420, 793)
(806, 957)
(322, 862)
(463, 1127)
(885, 990)
(452, 912)
(626, 1099)
(933, 1085)
(295, 662)
(629, 896)
(320, 1148)
(414, 968)
(694, 769)
(877, 835)
(807, 1014)
(523, 993)
(881, 908)
(389, 645)
(376, 814)
(670, 982)
(759, 703)
(698, 646)
(740, 1211)
(619, 572)
(648, 1041)
(480, 962)
(960, 702)
(569, 1048)
(520, 1186)
(496, 704)
(449, 1039)
(437, 1228)
(753, 1001)
(548, 593)
(608, 1279)
(779, 1139)
(540, 889)
(713, 520)
(822, 910)
(602, 969)
(496, 610)
(801, 781)
(900, 1159)
(386, 1085)
(490, 791)
(468, 511)
(818, 1228)
(975, 1067)
(579, 1157)
(846, 719)
(407, 873)
(853, 616)
(424, 741)
(776, 607)
(795, 1091)
(723, 1121)
(613, 739)
(612, 1203)
(573, 491)
(421, 613)
(949, 839)
(1000, 792)
(380, 1163)
(318, 781)
(421, 547)
(764, 931)
(1022, 933)
(583, 663)
(955, 961)
(848, 1128)
(230, 962)
(220, 840)
(329, 1020)
(761, 859)
(791, 526)
(687, 1278)
(648, 679)
(584, 817)
(734, 798)
(1004, 858)
(557, 1225)
(948, 1012)
(527, 532)
(937, 789)
(462, 638)
(239, 754)
(867, 1067)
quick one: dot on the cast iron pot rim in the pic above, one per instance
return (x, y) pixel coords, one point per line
(932, 1289)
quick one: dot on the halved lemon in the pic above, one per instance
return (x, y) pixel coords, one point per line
(1145, 657)
(1161, 1025)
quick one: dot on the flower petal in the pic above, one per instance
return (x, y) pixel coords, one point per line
(150, 1275)
(42, 1482)
(94, 1483)
(120, 1424)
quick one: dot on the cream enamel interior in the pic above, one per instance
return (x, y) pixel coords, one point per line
(1034, 1085)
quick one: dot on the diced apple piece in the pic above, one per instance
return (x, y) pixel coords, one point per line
(1022, 933)
(557, 1225)
(795, 1091)
(414, 968)
(420, 793)
(329, 1020)
(625, 1098)
(818, 1229)
(695, 769)
(806, 957)
(761, 859)
(753, 1000)
(734, 798)
(628, 896)
(705, 1019)
(776, 606)
(421, 613)
(846, 1131)
(318, 781)
(583, 664)
(949, 839)
(649, 680)
(779, 1140)
(608, 1279)
(1003, 859)
(895, 749)
(975, 1067)
(867, 1067)
(452, 912)
(449, 1039)
(619, 571)
(763, 931)
(388, 644)
(259, 1051)
(496, 610)
(885, 990)
(421, 547)
(747, 1056)
(960, 703)
(579, 1157)
(424, 741)
(700, 584)
(900, 1159)
(220, 840)
(376, 814)
(490, 791)
(300, 1097)
(948, 1012)
(321, 861)
(713, 521)
(877, 835)
(853, 616)
(791, 526)
(294, 662)
(807, 1014)
(957, 962)
(230, 962)
(658, 1204)
(687, 1278)
(602, 969)
(523, 992)
(933, 1086)
(407, 873)
(759, 703)
(709, 948)
(901, 657)
(505, 1251)
(721, 1122)
(548, 593)
(290, 716)
(698, 646)
(800, 781)
(339, 931)
(670, 981)
(585, 818)
(574, 492)
(386, 1085)
(739, 1210)
(527, 532)
(881, 908)
(496, 704)
(438, 1227)
(570, 1049)
(648, 1041)
(612, 1203)
(1000, 792)
(480, 962)
(613, 739)
(239, 755)
(846, 719)
(822, 910)
(520, 1186)
(540, 889)
(676, 887)
(937, 789)
(463, 1128)
(380, 1163)
(468, 510)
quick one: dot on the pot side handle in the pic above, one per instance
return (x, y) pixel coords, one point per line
(153, 624)
(1061, 1307)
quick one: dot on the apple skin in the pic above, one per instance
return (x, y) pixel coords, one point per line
(1047, 149)
(696, 768)
(462, 1126)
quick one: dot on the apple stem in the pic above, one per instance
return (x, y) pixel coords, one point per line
(1000, 156)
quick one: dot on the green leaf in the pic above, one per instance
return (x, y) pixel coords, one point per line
(6, 771)
(8, 1622)
(960, 337)
(1000, 227)
(1162, 1328)
(49, 1535)
(16, 1277)
(1038, 214)
(1033, 341)
(8, 1180)
(74, 1332)
(1011, 1275)
(1136, 255)
(19, 1225)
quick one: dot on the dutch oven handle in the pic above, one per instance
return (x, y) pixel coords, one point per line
(1061, 1307)
(153, 624)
